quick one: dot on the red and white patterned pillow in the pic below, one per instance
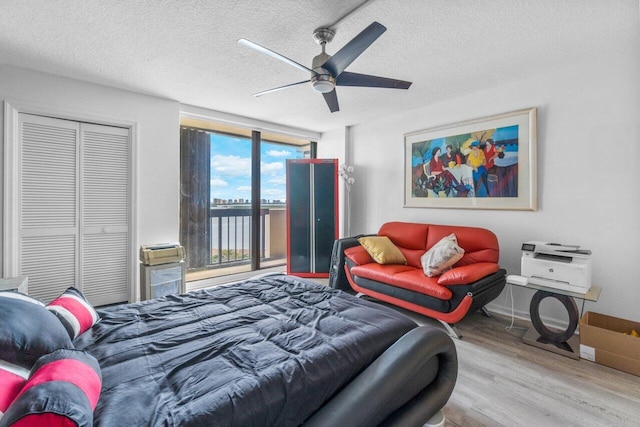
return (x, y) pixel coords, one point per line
(12, 379)
(62, 390)
(74, 311)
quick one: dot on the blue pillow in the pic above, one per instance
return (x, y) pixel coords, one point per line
(28, 330)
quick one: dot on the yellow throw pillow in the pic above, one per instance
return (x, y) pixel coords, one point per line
(382, 250)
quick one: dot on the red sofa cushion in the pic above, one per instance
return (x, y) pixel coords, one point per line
(358, 255)
(479, 244)
(413, 257)
(406, 235)
(467, 273)
(403, 276)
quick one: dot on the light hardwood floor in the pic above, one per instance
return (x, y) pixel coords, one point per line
(504, 382)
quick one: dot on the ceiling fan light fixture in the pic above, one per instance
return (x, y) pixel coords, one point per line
(323, 83)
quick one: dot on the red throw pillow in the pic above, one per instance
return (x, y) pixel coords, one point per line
(62, 390)
(74, 311)
(12, 379)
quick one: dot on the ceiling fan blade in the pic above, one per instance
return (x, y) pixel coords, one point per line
(332, 100)
(345, 56)
(275, 55)
(275, 89)
(366, 80)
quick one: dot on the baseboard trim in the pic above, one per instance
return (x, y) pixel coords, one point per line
(524, 315)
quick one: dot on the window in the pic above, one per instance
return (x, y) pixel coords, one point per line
(231, 220)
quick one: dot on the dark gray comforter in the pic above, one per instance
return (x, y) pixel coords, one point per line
(268, 351)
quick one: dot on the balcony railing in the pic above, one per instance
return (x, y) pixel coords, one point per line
(228, 238)
(231, 235)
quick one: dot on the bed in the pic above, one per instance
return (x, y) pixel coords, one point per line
(275, 350)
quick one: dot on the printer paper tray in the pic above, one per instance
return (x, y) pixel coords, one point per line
(564, 286)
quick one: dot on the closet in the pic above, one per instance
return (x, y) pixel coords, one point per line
(70, 208)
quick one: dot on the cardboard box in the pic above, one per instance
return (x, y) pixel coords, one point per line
(603, 340)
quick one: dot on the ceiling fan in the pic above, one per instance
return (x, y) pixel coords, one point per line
(328, 71)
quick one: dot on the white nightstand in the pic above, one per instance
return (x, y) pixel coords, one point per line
(19, 284)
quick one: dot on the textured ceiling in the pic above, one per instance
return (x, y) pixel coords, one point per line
(187, 50)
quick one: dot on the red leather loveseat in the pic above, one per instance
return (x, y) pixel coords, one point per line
(473, 281)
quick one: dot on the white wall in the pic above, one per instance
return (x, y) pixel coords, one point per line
(333, 145)
(588, 175)
(157, 140)
(588, 134)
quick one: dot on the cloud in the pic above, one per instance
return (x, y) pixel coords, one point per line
(277, 180)
(244, 188)
(278, 153)
(231, 166)
(216, 182)
(272, 167)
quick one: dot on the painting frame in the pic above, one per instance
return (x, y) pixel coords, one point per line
(462, 183)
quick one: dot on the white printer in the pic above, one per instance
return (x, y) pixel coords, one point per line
(565, 267)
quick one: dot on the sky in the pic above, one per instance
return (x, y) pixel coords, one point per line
(231, 168)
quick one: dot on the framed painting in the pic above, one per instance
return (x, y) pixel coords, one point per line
(488, 163)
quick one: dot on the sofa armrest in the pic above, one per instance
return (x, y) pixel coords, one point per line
(467, 274)
(405, 386)
(337, 275)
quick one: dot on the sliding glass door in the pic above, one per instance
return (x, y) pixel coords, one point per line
(230, 201)
(233, 219)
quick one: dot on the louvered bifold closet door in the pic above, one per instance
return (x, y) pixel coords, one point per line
(104, 213)
(48, 204)
(74, 209)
